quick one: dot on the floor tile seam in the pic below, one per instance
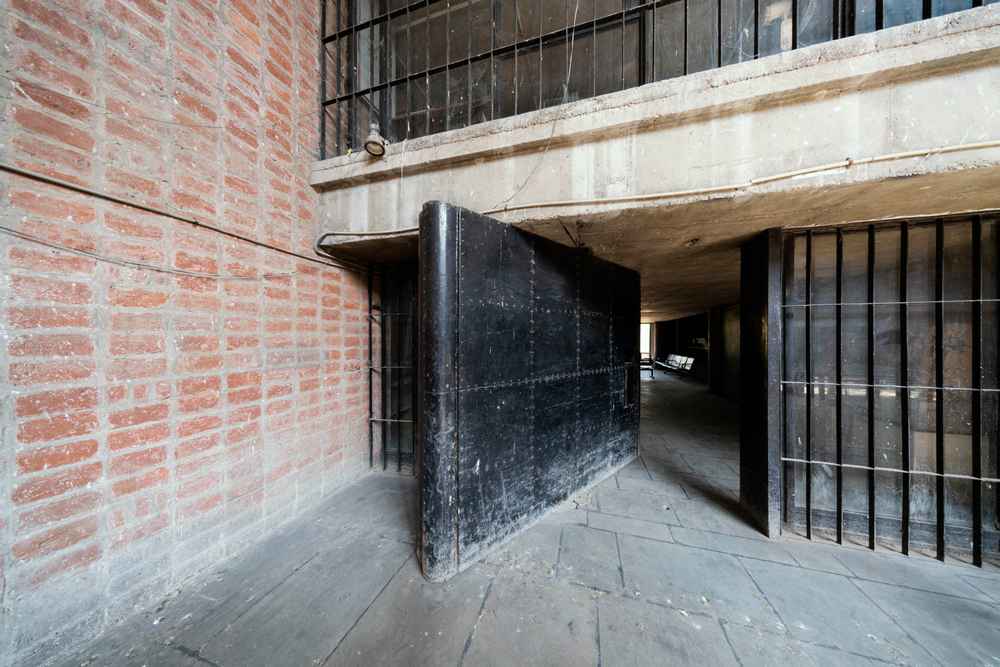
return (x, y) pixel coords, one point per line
(479, 618)
(894, 621)
(373, 600)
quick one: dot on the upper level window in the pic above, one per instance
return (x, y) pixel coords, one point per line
(417, 68)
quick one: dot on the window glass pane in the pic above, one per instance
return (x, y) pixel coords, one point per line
(737, 31)
(703, 35)
(775, 26)
(815, 18)
(898, 12)
(668, 57)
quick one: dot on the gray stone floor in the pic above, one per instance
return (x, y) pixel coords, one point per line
(654, 566)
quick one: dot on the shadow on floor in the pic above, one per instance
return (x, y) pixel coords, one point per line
(654, 565)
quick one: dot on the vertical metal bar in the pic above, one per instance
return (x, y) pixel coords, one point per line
(939, 370)
(593, 52)
(541, 54)
(371, 372)
(497, 15)
(352, 77)
(809, 386)
(904, 382)
(623, 45)
(516, 39)
(447, 60)
(652, 52)
(427, 65)
(468, 95)
(835, 33)
(385, 126)
(718, 32)
(340, 81)
(795, 24)
(409, 68)
(840, 389)
(928, 9)
(879, 14)
(322, 80)
(686, 35)
(977, 395)
(756, 29)
(871, 388)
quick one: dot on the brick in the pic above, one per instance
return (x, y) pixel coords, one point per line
(132, 369)
(46, 290)
(56, 484)
(56, 401)
(198, 385)
(137, 437)
(199, 363)
(140, 532)
(59, 208)
(52, 345)
(135, 344)
(48, 126)
(198, 425)
(56, 539)
(127, 464)
(64, 563)
(58, 510)
(139, 415)
(197, 445)
(137, 298)
(137, 322)
(56, 456)
(146, 480)
(50, 261)
(49, 372)
(53, 317)
(56, 21)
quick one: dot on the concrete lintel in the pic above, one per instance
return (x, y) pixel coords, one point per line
(925, 48)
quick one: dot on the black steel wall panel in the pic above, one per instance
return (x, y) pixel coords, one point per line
(528, 373)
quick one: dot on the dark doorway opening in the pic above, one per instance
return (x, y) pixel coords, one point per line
(393, 369)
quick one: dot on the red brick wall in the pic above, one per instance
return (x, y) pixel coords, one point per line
(154, 422)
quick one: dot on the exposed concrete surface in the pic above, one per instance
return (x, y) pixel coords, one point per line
(653, 566)
(918, 86)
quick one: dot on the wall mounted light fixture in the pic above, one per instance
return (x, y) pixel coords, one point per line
(375, 144)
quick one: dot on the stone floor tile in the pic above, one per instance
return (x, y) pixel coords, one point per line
(828, 609)
(590, 557)
(533, 621)
(694, 580)
(635, 505)
(764, 649)
(428, 623)
(634, 632)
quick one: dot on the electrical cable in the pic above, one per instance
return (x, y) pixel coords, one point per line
(141, 265)
(176, 216)
(844, 164)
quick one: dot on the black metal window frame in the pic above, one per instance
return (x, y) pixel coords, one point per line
(984, 408)
(352, 83)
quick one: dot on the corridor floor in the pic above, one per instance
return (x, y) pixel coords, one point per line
(652, 567)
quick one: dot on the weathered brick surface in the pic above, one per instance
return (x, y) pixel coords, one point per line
(153, 422)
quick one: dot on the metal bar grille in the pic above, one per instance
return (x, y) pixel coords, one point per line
(885, 401)
(491, 60)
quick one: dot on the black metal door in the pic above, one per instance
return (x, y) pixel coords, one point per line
(527, 368)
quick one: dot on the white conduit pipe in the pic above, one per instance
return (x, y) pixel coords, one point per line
(843, 164)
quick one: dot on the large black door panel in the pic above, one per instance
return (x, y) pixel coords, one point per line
(528, 375)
